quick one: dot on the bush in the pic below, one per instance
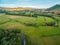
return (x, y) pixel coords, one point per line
(50, 24)
(31, 24)
(47, 15)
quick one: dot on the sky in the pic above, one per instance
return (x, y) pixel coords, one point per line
(29, 3)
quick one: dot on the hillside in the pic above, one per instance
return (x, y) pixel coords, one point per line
(57, 6)
(55, 9)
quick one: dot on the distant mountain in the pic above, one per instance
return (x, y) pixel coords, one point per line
(55, 7)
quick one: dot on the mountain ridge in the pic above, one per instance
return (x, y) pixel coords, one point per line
(54, 7)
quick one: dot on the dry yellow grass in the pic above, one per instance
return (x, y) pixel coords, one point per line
(18, 8)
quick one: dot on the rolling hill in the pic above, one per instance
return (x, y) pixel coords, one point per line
(55, 9)
(57, 6)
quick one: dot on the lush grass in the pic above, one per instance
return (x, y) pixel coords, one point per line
(41, 35)
(41, 20)
(2, 19)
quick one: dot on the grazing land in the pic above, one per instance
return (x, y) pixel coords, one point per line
(40, 30)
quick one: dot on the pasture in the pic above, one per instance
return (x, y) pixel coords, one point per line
(39, 30)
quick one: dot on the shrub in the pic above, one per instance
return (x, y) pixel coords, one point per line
(50, 24)
(31, 24)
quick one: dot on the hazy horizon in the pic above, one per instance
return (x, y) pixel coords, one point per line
(29, 3)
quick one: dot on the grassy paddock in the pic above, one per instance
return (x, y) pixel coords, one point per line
(40, 35)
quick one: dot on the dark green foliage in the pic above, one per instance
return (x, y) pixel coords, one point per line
(28, 13)
(10, 37)
(2, 11)
(31, 24)
(12, 13)
(47, 15)
(50, 24)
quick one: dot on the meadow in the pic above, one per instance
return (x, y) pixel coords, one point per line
(40, 30)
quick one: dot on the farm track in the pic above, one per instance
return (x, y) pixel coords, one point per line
(10, 21)
(5, 22)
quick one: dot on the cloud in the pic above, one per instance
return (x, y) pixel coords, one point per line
(57, 2)
(29, 3)
(16, 5)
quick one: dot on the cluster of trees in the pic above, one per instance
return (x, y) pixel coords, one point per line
(2, 11)
(30, 13)
(10, 37)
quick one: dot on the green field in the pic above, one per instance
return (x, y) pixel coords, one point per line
(34, 27)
